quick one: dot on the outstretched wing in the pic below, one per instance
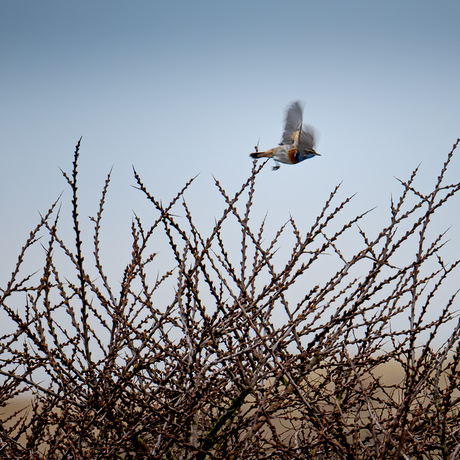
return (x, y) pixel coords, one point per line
(307, 138)
(293, 122)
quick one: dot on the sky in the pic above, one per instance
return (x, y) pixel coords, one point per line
(182, 88)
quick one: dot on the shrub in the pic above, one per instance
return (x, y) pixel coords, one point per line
(234, 348)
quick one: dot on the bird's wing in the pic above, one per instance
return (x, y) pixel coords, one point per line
(307, 138)
(293, 122)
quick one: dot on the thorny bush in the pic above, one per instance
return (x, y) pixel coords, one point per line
(230, 354)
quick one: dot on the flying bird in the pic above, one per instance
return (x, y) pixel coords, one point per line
(297, 142)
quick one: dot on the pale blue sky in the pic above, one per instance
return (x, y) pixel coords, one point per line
(179, 88)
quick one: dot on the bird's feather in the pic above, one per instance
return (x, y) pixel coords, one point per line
(293, 122)
(306, 138)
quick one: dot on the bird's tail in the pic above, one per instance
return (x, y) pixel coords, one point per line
(267, 154)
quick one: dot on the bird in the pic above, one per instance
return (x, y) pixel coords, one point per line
(297, 142)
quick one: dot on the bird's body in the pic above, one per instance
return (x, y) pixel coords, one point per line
(297, 142)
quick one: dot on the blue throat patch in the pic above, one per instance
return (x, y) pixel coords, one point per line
(300, 157)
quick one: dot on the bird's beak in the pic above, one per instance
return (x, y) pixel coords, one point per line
(316, 153)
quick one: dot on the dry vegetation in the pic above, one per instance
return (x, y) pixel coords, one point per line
(234, 349)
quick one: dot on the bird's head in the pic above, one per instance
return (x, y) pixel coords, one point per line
(312, 153)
